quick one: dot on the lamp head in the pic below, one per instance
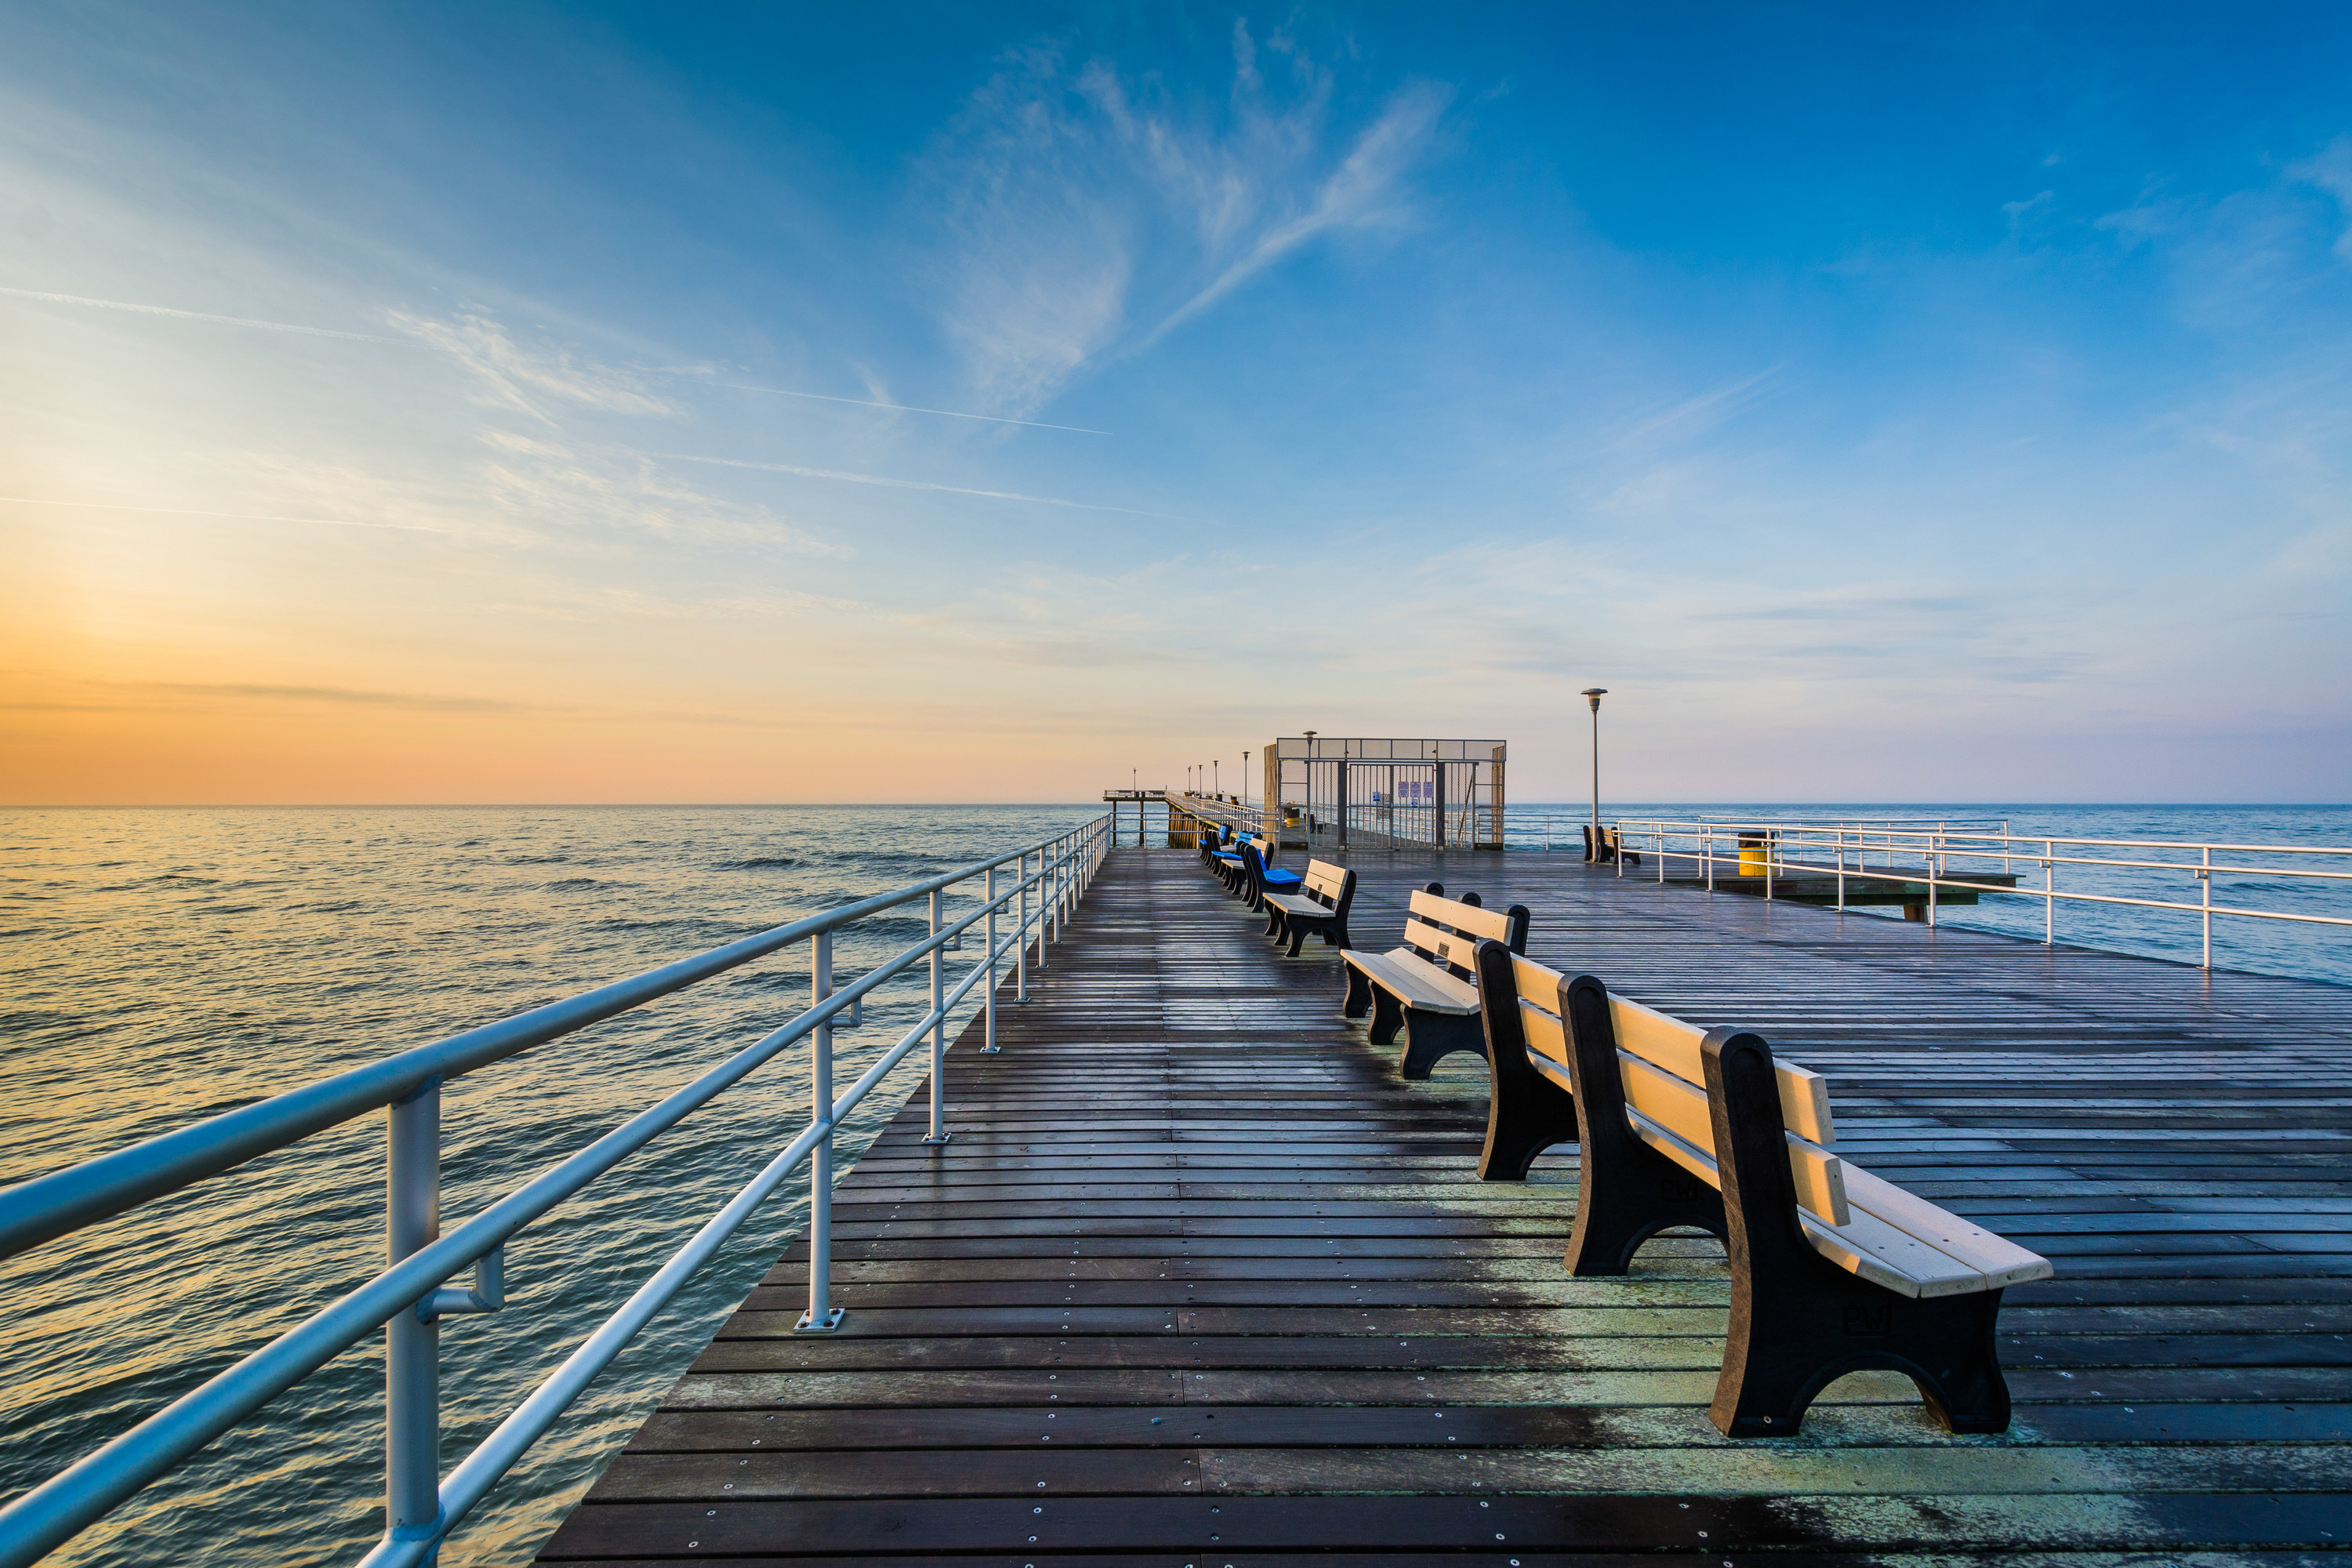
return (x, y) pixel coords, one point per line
(1593, 694)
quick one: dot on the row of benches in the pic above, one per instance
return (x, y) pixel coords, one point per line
(1833, 1270)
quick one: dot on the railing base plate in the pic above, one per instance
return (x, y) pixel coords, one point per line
(805, 1326)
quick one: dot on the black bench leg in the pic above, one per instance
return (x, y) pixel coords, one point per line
(1626, 1191)
(1523, 1119)
(1430, 1036)
(1298, 936)
(1359, 993)
(1527, 1112)
(1625, 1195)
(1791, 1339)
(1272, 920)
(1388, 1016)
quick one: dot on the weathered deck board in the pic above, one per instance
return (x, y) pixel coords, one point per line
(1200, 1280)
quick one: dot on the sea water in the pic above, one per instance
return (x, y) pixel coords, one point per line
(164, 965)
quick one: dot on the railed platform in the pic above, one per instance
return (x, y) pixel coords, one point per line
(1201, 1281)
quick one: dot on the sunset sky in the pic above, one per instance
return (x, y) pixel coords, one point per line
(884, 403)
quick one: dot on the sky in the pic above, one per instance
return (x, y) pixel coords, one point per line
(529, 402)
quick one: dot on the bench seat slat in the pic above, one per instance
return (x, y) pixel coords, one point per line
(2000, 1260)
(1297, 904)
(1420, 984)
(1890, 1257)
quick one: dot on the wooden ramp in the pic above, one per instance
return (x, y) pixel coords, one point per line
(1201, 1281)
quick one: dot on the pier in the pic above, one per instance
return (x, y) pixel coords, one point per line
(1200, 1280)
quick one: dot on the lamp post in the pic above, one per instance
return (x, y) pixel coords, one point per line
(1309, 810)
(1216, 775)
(1246, 757)
(1593, 694)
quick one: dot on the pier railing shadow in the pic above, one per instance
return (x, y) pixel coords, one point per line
(1026, 896)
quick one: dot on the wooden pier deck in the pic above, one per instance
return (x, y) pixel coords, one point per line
(1201, 1281)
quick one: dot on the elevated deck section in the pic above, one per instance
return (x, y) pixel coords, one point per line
(1200, 1280)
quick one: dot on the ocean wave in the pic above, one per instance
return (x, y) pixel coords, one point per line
(758, 863)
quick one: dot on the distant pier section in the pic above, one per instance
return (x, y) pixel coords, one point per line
(1334, 792)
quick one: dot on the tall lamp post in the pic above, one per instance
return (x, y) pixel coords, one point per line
(1593, 694)
(1216, 775)
(1246, 757)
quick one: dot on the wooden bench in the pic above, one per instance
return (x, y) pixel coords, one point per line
(1258, 879)
(1833, 1269)
(1320, 905)
(1429, 986)
(1610, 846)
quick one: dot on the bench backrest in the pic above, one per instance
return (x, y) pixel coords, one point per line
(1660, 1082)
(1331, 886)
(1446, 932)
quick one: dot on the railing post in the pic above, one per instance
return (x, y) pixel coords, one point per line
(2205, 876)
(938, 1133)
(2049, 893)
(1021, 935)
(1771, 860)
(822, 1317)
(1932, 841)
(1841, 855)
(412, 1347)
(1044, 901)
(988, 1047)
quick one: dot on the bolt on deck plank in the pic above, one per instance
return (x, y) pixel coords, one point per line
(1200, 1280)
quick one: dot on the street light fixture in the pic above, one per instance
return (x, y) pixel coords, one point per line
(1593, 694)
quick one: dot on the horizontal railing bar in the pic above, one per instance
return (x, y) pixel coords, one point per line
(1689, 825)
(69, 1502)
(1885, 874)
(51, 1206)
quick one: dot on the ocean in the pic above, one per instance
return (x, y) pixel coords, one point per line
(167, 964)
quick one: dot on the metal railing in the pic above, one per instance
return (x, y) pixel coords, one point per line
(1532, 829)
(409, 1297)
(1922, 859)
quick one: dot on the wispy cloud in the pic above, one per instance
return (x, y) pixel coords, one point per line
(909, 408)
(1086, 213)
(1708, 406)
(1360, 191)
(508, 374)
(898, 484)
(233, 516)
(195, 316)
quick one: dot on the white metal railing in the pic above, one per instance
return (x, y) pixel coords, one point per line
(1531, 829)
(1951, 857)
(409, 1296)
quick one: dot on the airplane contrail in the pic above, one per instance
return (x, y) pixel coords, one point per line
(195, 315)
(910, 408)
(234, 516)
(902, 484)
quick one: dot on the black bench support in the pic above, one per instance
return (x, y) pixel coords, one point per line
(1527, 1113)
(1797, 1320)
(1626, 1191)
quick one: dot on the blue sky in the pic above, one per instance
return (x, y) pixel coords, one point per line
(1920, 404)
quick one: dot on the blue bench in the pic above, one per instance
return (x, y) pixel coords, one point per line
(1234, 867)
